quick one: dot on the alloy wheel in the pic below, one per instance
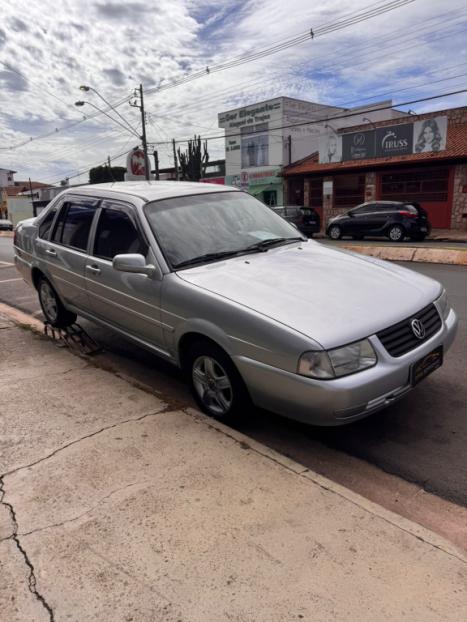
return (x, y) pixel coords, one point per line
(212, 385)
(335, 233)
(396, 234)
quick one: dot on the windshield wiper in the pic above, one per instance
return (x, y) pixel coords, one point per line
(258, 246)
(206, 257)
(265, 244)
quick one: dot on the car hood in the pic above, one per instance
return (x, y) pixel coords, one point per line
(332, 296)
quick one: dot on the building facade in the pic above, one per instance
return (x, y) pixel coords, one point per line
(263, 138)
(420, 158)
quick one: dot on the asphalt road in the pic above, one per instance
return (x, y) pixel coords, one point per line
(421, 439)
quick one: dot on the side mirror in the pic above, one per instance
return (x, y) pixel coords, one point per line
(132, 262)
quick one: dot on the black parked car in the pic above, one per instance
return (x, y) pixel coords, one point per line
(393, 219)
(306, 219)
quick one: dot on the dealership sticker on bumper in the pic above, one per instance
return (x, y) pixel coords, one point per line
(422, 368)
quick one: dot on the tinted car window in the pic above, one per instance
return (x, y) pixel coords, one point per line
(361, 210)
(46, 223)
(73, 225)
(116, 234)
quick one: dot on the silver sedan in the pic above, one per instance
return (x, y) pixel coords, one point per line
(209, 278)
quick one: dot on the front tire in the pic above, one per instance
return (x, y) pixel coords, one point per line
(396, 233)
(215, 383)
(52, 307)
(334, 232)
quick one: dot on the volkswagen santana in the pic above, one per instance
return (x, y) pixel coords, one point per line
(214, 281)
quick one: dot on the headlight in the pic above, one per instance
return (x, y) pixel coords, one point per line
(443, 305)
(338, 362)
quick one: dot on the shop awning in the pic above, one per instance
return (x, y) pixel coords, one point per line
(259, 188)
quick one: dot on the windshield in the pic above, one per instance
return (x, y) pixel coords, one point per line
(204, 225)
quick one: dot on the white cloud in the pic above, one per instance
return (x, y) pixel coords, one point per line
(114, 46)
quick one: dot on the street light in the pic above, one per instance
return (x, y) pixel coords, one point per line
(138, 94)
(83, 103)
(85, 88)
(369, 121)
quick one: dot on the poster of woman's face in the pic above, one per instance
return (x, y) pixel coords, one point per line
(430, 135)
(330, 148)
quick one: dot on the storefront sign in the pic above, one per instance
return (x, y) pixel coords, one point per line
(135, 163)
(394, 140)
(358, 146)
(263, 177)
(327, 188)
(423, 136)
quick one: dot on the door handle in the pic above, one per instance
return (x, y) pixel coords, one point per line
(51, 251)
(93, 269)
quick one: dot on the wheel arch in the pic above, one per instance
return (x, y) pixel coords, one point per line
(195, 335)
(36, 275)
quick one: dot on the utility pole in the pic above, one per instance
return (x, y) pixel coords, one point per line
(156, 163)
(34, 209)
(175, 159)
(139, 96)
(109, 166)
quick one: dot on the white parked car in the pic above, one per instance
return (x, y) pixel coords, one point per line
(214, 281)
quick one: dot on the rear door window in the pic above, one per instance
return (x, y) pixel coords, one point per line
(116, 234)
(74, 224)
(364, 209)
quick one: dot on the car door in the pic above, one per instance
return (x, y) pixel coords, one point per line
(378, 217)
(130, 302)
(63, 251)
(358, 221)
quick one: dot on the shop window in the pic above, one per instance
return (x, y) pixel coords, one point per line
(427, 185)
(349, 190)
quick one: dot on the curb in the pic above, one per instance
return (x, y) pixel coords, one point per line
(409, 253)
(418, 531)
(404, 524)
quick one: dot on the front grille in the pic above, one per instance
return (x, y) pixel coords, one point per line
(400, 339)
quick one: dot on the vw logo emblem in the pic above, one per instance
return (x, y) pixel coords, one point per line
(418, 329)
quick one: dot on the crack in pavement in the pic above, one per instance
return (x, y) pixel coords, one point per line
(89, 510)
(83, 438)
(32, 583)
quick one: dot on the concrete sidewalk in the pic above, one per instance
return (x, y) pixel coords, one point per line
(116, 506)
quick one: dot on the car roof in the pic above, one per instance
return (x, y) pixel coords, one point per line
(149, 190)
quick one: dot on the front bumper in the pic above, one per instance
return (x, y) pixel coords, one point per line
(342, 400)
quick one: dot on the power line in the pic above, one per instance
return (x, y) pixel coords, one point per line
(327, 68)
(357, 17)
(330, 118)
(306, 36)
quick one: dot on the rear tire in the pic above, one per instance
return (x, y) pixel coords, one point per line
(215, 382)
(396, 233)
(52, 307)
(335, 232)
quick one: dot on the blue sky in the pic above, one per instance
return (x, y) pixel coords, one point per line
(412, 52)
